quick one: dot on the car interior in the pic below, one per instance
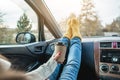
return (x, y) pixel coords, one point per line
(100, 55)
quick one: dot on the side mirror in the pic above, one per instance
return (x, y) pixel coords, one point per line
(25, 37)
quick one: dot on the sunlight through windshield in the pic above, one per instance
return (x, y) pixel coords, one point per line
(98, 17)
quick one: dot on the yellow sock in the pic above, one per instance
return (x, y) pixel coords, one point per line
(75, 26)
(68, 33)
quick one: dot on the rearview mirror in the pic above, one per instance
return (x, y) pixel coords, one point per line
(25, 37)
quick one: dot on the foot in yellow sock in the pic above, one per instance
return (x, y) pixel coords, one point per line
(68, 33)
(75, 26)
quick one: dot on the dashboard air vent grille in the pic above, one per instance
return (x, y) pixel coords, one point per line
(118, 44)
(106, 44)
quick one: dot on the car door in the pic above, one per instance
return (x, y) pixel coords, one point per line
(26, 56)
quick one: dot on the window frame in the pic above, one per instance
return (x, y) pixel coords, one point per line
(44, 18)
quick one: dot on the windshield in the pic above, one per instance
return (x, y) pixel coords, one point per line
(97, 17)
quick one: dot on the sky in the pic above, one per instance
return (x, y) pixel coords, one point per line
(107, 10)
(13, 9)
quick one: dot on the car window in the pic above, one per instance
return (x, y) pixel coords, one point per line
(16, 16)
(97, 17)
(48, 35)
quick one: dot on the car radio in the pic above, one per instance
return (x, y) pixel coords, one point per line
(107, 60)
(110, 56)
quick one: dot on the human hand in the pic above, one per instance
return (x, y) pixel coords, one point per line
(57, 56)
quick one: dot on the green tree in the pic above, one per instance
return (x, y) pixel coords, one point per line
(91, 25)
(114, 26)
(3, 29)
(1, 17)
(6, 33)
(24, 24)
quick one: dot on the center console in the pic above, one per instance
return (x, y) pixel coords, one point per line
(107, 60)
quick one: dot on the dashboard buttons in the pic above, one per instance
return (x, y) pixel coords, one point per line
(104, 68)
(114, 68)
(115, 59)
(110, 56)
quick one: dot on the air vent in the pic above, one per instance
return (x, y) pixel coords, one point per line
(118, 44)
(106, 44)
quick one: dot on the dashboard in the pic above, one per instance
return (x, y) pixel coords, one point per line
(107, 59)
(100, 58)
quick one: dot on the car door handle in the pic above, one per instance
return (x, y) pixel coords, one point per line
(38, 49)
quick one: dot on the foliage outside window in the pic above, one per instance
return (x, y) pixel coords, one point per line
(24, 24)
(48, 35)
(14, 20)
(90, 14)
